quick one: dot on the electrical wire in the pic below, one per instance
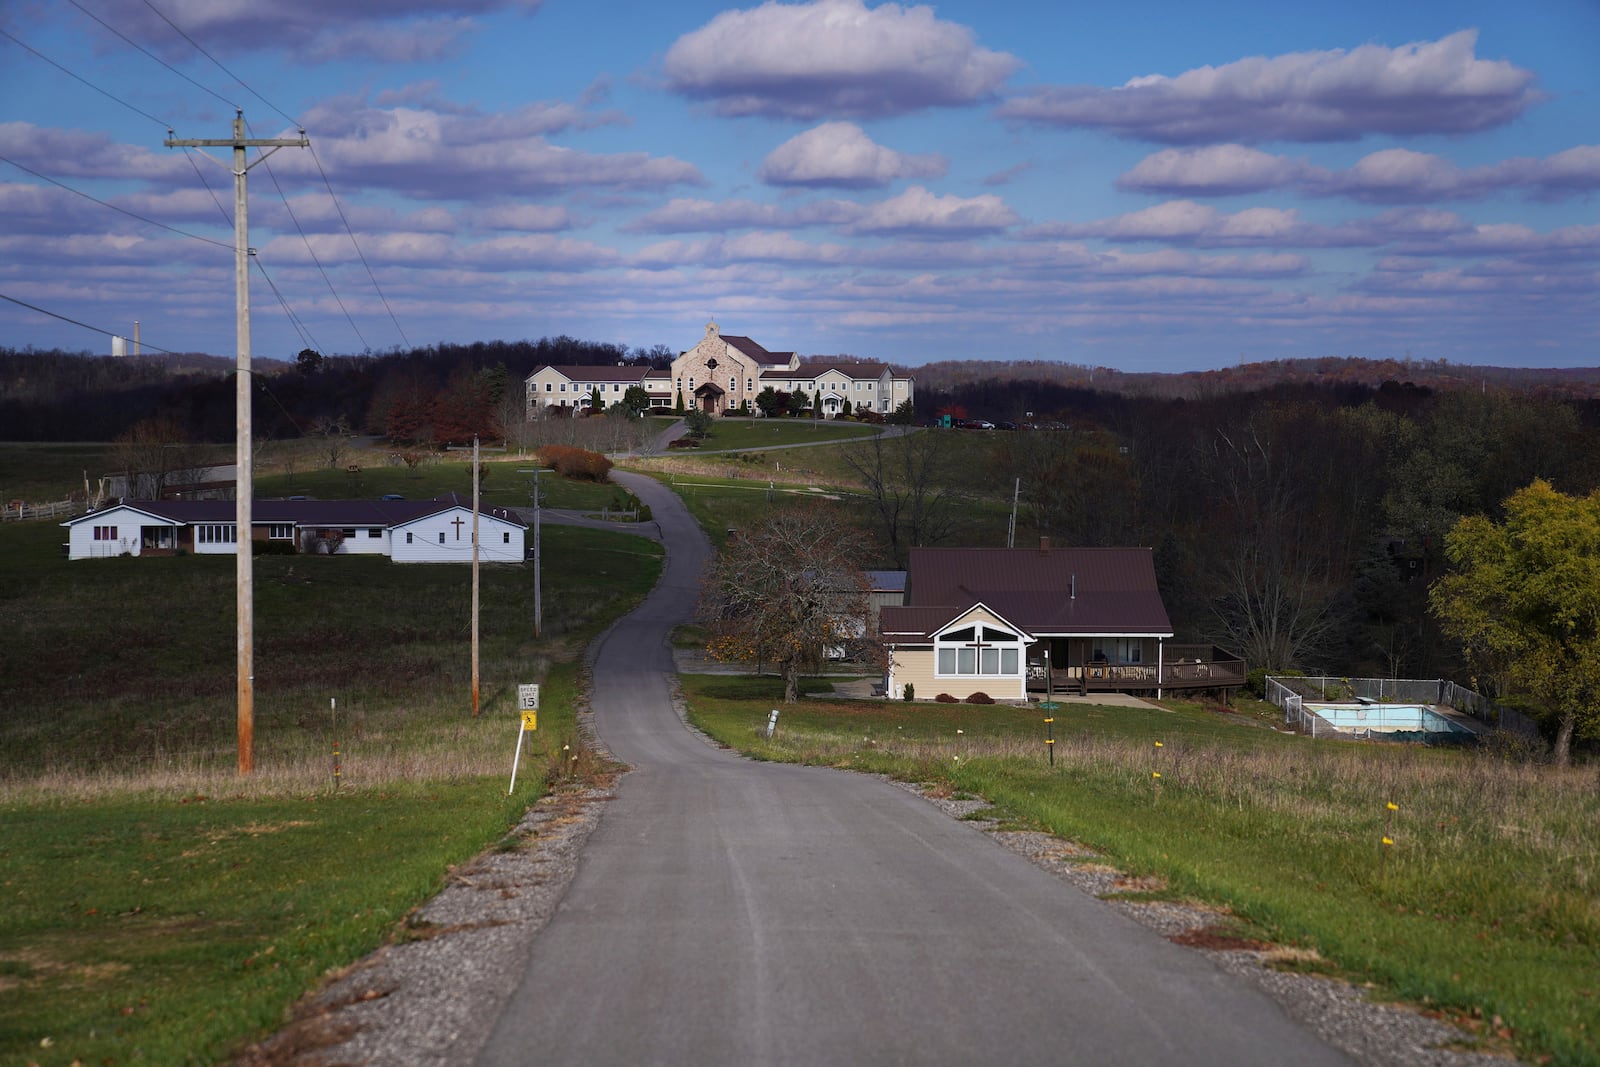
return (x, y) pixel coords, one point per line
(85, 325)
(363, 256)
(299, 325)
(113, 207)
(262, 159)
(218, 63)
(103, 92)
(134, 44)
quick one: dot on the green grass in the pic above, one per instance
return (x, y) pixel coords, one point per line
(1485, 906)
(155, 906)
(723, 504)
(41, 472)
(501, 486)
(732, 434)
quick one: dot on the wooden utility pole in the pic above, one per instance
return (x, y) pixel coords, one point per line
(244, 472)
(538, 601)
(475, 469)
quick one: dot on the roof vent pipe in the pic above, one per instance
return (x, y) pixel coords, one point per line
(1072, 588)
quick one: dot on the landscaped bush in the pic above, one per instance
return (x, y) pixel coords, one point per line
(946, 698)
(572, 462)
(980, 698)
(910, 692)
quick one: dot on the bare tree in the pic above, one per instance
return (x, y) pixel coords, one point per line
(907, 480)
(786, 591)
(333, 439)
(152, 452)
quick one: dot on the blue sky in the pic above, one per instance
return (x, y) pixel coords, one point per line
(1148, 186)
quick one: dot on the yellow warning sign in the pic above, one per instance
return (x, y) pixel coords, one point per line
(530, 720)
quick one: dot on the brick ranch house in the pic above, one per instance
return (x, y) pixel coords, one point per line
(406, 531)
(1017, 623)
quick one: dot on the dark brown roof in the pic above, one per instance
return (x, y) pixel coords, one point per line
(1059, 591)
(599, 373)
(755, 351)
(861, 371)
(324, 513)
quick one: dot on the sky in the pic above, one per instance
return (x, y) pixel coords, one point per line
(1150, 186)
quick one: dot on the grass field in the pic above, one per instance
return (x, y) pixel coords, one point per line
(154, 906)
(501, 485)
(1484, 908)
(734, 434)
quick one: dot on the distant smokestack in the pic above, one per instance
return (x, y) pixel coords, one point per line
(119, 345)
(136, 337)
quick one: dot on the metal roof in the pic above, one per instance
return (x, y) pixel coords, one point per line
(1048, 592)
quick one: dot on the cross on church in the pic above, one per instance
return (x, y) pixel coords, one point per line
(458, 522)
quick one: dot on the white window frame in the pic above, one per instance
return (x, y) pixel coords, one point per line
(975, 653)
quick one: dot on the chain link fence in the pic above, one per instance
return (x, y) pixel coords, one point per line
(1290, 693)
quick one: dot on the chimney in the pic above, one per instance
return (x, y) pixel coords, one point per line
(1044, 543)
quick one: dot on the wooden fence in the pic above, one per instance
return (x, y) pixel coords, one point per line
(17, 510)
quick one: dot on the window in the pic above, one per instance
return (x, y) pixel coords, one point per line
(105, 533)
(373, 531)
(409, 537)
(978, 650)
(1117, 650)
(280, 531)
(750, 385)
(505, 538)
(349, 531)
(563, 387)
(691, 383)
(214, 534)
(441, 537)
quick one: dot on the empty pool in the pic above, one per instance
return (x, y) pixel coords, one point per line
(1386, 718)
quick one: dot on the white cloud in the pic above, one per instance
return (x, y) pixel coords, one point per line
(1215, 170)
(1426, 87)
(917, 211)
(833, 58)
(692, 216)
(841, 155)
(527, 218)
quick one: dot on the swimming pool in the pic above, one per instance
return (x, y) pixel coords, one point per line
(1385, 718)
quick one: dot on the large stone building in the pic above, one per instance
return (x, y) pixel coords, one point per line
(720, 375)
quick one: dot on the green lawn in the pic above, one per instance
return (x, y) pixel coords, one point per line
(734, 434)
(45, 471)
(502, 485)
(723, 504)
(154, 906)
(1484, 906)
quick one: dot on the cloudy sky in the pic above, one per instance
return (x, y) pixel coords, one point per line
(1150, 186)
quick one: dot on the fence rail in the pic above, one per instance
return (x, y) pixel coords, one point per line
(1290, 693)
(19, 511)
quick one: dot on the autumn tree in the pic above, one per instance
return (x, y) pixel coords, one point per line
(1523, 599)
(154, 453)
(785, 591)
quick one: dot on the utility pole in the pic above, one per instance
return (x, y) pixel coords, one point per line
(538, 602)
(244, 473)
(1011, 531)
(475, 469)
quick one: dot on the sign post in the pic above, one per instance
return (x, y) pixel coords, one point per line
(528, 705)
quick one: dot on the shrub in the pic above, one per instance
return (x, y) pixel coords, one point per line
(980, 698)
(572, 462)
(946, 698)
(910, 692)
(1255, 679)
(272, 548)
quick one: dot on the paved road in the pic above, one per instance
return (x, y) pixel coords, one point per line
(733, 912)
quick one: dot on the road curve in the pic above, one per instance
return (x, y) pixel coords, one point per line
(734, 912)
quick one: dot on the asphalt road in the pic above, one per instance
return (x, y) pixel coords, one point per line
(733, 912)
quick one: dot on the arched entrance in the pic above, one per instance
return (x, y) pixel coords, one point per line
(708, 398)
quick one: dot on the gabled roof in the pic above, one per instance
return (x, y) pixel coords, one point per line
(1048, 592)
(323, 513)
(854, 371)
(920, 624)
(597, 373)
(749, 348)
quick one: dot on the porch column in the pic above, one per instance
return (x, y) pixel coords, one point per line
(1161, 647)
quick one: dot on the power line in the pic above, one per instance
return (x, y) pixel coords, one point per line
(363, 256)
(103, 92)
(113, 207)
(313, 253)
(85, 325)
(152, 55)
(179, 30)
(300, 328)
(226, 218)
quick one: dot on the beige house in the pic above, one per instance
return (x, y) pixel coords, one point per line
(1019, 623)
(722, 373)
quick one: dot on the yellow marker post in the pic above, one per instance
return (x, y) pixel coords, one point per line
(530, 721)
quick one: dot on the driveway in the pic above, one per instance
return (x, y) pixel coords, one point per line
(727, 911)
